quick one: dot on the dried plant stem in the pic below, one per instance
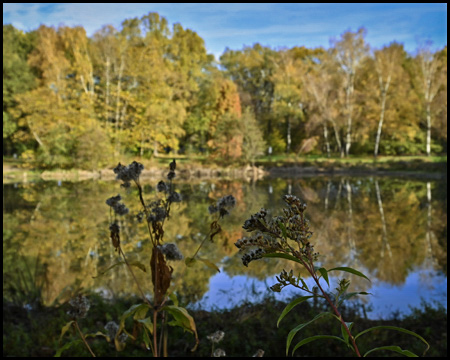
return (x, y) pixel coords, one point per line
(155, 335)
(83, 338)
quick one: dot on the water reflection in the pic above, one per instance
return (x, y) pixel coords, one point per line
(394, 230)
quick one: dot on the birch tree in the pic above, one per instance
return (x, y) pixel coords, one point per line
(319, 88)
(430, 66)
(349, 51)
(387, 66)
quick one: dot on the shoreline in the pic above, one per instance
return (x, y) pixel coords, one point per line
(14, 175)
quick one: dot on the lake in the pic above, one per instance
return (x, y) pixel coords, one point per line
(394, 230)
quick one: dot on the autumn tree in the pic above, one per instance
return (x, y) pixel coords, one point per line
(18, 77)
(289, 80)
(430, 67)
(349, 51)
(227, 136)
(253, 142)
(252, 69)
(320, 94)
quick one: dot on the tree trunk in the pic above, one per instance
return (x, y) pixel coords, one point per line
(117, 117)
(383, 222)
(380, 123)
(108, 64)
(349, 108)
(325, 135)
(288, 136)
(338, 140)
(428, 128)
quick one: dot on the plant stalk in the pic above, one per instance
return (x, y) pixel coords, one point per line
(83, 338)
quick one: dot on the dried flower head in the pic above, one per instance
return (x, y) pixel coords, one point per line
(219, 353)
(171, 251)
(259, 353)
(118, 207)
(111, 328)
(161, 186)
(80, 307)
(271, 235)
(216, 337)
(223, 205)
(174, 197)
(157, 213)
(128, 173)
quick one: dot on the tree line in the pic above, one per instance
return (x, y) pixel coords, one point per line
(70, 100)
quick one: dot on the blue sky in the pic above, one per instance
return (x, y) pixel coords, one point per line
(236, 25)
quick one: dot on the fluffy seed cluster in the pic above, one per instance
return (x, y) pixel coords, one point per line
(128, 173)
(80, 307)
(259, 353)
(223, 205)
(157, 212)
(216, 337)
(171, 251)
(161, 186)
(219, 353)
(111, 328)
(118, 207)
(271, 235)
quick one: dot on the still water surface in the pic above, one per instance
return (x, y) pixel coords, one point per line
(393, 230)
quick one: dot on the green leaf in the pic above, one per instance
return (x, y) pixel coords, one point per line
(147, 322)
(301, 326)
(282, 256)
(146, 338)
(67, 346)
(174, 298)
(98, 333)
(291, 305)
(209, 264)
(350, 270)
(138, 265)
(182, 319)
(324, 273)
(344, 332)
(392, 348)
(314, 338)
(398, 329)
(137, 308)
(303, 283)
(65, 328)
(189, 261)
(141, 312)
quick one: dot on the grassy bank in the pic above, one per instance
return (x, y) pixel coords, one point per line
(201, 166)
(249, 327)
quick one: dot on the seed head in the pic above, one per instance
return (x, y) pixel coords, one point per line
(171, 251)
(80, 307)
(216, 337)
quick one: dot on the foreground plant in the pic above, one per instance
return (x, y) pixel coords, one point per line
(288, 237)
(151, 317)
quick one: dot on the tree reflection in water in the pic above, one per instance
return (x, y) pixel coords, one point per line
(393, 230)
